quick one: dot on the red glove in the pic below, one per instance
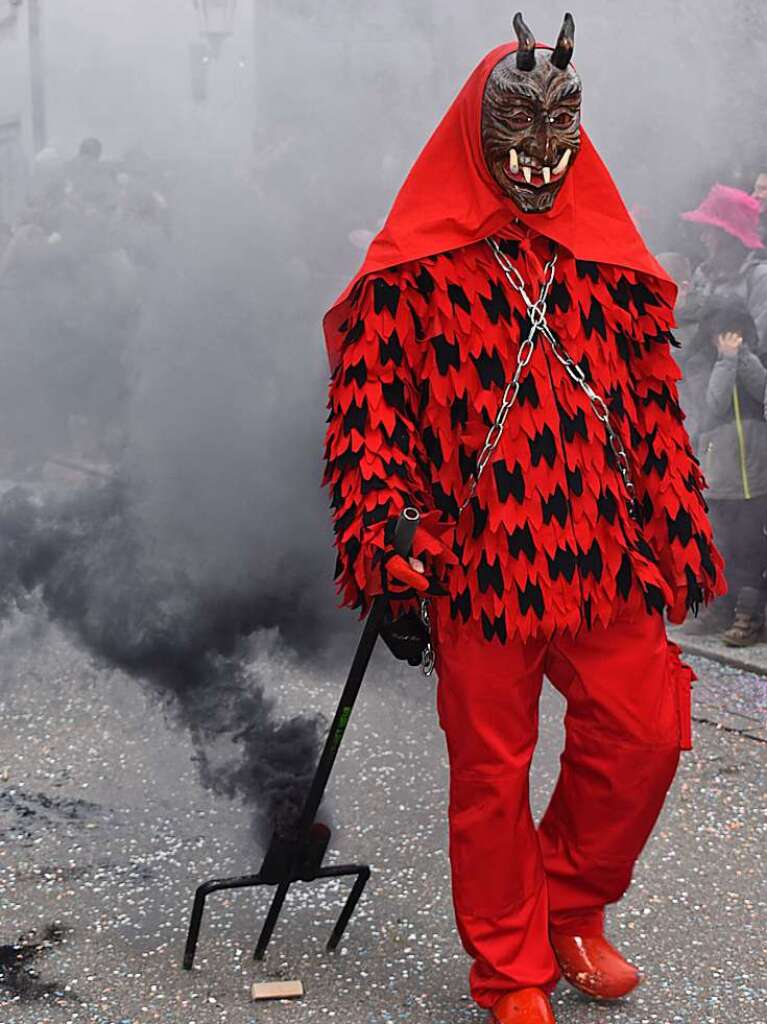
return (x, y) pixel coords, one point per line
(428, 547)
(399, 570)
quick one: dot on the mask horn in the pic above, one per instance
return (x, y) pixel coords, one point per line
(526, 51)
(563, 52)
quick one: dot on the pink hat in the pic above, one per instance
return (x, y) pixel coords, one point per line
(733, 211)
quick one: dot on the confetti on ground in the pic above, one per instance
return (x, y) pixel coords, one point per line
(105, 832)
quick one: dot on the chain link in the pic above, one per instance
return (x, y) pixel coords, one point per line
(602, 413)
(428, 657)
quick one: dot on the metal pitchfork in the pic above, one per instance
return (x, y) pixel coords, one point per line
(300, 859)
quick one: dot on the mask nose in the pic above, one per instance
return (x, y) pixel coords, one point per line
(549, 146)
(543, 146)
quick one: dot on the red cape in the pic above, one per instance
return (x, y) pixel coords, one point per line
(450, 200)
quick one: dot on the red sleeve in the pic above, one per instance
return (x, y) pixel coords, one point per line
(374, 457)
(669, 481)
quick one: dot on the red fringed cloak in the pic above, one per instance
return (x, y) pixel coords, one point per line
(421, 344)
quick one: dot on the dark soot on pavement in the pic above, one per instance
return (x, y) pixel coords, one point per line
(17, 972)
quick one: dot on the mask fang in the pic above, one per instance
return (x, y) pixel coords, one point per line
(526, 51)
(563, 52)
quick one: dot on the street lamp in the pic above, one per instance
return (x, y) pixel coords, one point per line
(36, 67)
(216, 21)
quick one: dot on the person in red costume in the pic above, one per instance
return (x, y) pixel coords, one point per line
(502, 361)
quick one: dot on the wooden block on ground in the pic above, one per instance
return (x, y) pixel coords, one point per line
(276, 990)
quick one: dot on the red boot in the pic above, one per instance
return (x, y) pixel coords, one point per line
(526, 1006)
(594, 967)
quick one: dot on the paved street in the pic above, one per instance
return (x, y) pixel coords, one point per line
(105, 831)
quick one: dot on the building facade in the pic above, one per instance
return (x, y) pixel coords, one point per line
(15, 104)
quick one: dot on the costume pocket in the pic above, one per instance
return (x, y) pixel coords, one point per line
(681, 678)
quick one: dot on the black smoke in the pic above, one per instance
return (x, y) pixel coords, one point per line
(209, 524)
(191, 345)
(87, 559)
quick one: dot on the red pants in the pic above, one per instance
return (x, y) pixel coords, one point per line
(628, 715)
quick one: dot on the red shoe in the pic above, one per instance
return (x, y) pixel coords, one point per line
(527, 1006)
(594, 967)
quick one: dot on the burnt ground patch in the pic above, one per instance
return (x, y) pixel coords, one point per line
(19, 976)
(24, 813)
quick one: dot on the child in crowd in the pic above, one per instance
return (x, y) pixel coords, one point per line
(726, 383)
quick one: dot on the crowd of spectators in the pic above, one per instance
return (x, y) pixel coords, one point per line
(72, 267)
(722, 334)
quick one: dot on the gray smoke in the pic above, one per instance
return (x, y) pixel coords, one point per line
(214, 526)
(191, 347)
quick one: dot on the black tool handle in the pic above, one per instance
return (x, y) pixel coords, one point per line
(404, 534)
(404, 531)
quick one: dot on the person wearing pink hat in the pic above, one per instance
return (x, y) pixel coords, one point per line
(736, 265)
(760, 188)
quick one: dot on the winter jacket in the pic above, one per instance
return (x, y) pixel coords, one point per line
(546, 543)
(728, 395)
(748, 286)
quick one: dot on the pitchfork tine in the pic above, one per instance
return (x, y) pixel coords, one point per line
(363, 876)
(271, 920)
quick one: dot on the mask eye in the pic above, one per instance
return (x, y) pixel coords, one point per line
(562, 119)
(520, 119)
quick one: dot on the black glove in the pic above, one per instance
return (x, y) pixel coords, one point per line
(406, 637)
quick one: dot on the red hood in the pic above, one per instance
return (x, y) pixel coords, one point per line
(450, 200)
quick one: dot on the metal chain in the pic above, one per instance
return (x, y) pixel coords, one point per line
(537, 311)
(602, 413)
(428, 657)
(538, 325)
(573, 370)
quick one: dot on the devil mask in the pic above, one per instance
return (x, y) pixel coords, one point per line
(531, 119)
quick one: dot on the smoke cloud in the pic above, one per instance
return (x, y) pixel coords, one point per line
(88, 559)
(176, 342)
